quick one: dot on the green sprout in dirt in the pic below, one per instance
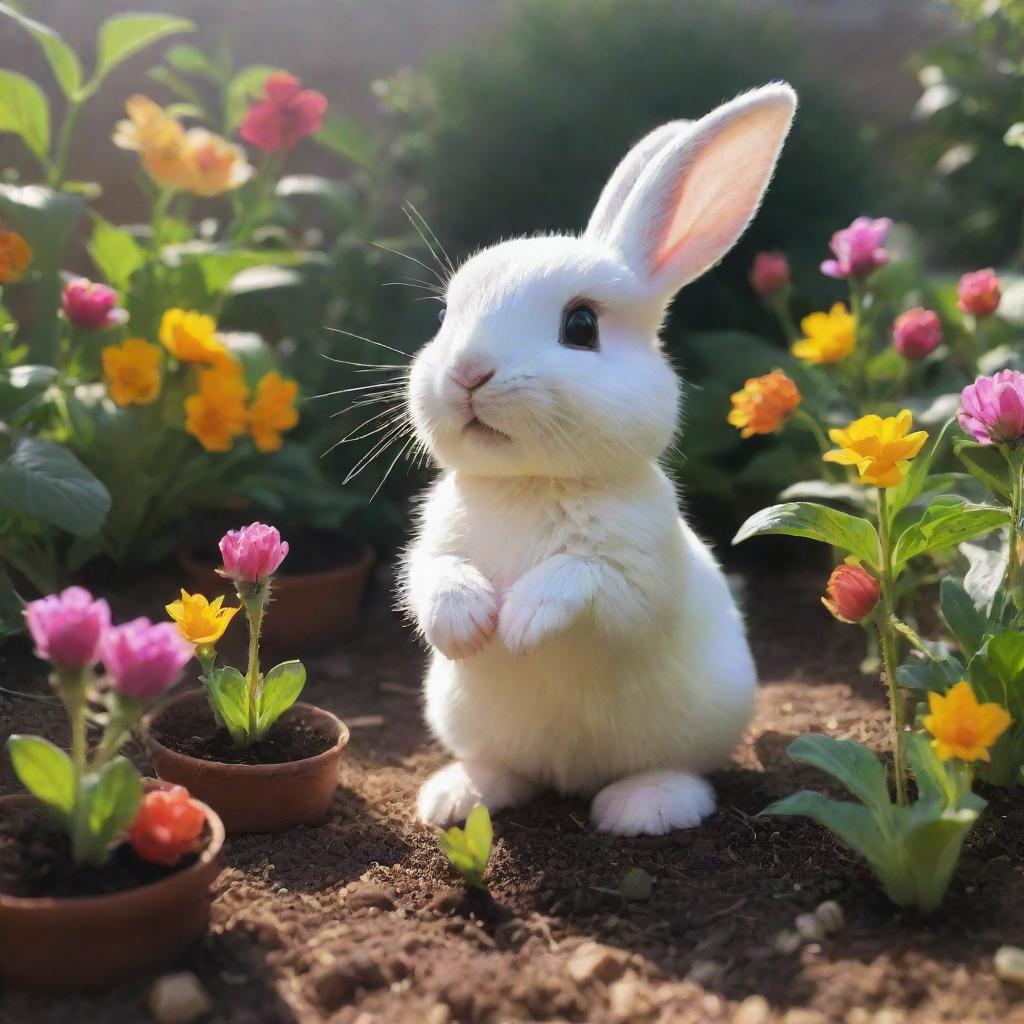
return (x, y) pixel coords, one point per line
(469, 849)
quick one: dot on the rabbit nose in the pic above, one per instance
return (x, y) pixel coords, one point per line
(470, 374)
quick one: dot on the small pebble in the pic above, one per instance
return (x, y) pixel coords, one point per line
(370, 895)
(831, 916)
(753, 1010)
(636, 884)
(624, 997)
(1009, 962)
(178, 999)
(787, 942)
(594, 961)
(809, 927)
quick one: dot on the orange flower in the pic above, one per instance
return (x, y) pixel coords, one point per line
(963, 728)
(852, 592)
(191, 337)
(215, 415)
(763, 404)
(15, 255)
(167, 827)
(132, 371)
(214, 164)
(272, 411)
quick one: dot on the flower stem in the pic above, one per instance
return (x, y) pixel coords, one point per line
(1015, 457)
(812, 425)
(779, 305)
(59, 169)
(255, 605)
(72, 688)
(887, 638)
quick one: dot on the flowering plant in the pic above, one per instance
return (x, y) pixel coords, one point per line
(246, 705)
(96, 794)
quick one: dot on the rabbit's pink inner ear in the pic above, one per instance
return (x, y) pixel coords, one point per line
(716, 192)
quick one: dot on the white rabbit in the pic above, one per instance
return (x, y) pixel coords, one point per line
(584, 639)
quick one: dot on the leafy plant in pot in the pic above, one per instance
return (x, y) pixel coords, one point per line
(265, 762)
(98, 855)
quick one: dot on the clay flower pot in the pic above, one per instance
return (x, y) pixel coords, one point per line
(84, 943)
(310, 610)
(254, 797)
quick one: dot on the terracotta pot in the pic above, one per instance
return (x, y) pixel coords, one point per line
(255, 797)
(84, 943)
(309, 611)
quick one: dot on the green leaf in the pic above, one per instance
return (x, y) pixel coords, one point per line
(244, 87)
(348, 138)
(965, 622)
(25, 111)
(930, 676)
(21, 385)
(116, 253)
(45, 481)
(219, 265)
(111, 798)
(46, 218)
(45, 771)
(229, 695)
(469, 851)
(121, 36)
(190, 60)
(65, 64)
(932, 849)
(944, 523)
(479, 835)
(934, 781)
(280, 690)
(849, 763)
(985, 463)
(816, 522)
(914, 481)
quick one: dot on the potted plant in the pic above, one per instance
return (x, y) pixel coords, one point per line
(101, 874)
(243, 744)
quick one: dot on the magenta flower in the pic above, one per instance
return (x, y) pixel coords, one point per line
(68, 628)
(770, 273)
(144, 660)
(288, 114)
(90, 305)
(858, 249)
(978, 293)
(917, 333)
(992, 408)
(253, 553)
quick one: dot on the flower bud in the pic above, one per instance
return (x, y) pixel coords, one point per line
(68, 628)
(167, 826)
(253, 553)
(978, 293)
(770, 273)
(852, 593)
(916, 333)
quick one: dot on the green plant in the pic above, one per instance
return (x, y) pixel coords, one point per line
(469, 849)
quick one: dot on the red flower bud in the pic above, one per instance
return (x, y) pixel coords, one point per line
(978, 293)
(852, 593)
(770, 273)
(167, 826)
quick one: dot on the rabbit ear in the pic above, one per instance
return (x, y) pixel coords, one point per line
(696, 195)
(620, 184)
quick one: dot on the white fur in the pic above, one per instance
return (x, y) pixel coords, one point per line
(584, 638)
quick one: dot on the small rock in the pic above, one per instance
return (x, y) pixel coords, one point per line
(1009, 961)
(831, 916)
(705, 972)
(800, 1016)
(335, 983)
(787, 942)
(753, 1010)
(370, 896)
(809, 927)
(593, 961)
(625, 998)
(178, 999)
(636, 885)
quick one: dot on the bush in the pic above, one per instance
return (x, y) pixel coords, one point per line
(532, 119)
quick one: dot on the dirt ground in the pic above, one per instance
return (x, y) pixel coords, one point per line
(362, 921)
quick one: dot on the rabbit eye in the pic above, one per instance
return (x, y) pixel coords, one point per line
(440, 314)
(579, 327)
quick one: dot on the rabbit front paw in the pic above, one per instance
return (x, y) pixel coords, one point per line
(539, 604)
(462, 615)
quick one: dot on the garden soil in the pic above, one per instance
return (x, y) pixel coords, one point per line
(362, 920)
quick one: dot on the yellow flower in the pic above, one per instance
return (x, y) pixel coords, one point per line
(962, 727)
(132, 371)
(272, 411)
(830, 336)
(879, 448)
(15, 255)
(196, 160)
(215, 414)
(763, 404)
(200, 621)
(192, 337)
(214, 164)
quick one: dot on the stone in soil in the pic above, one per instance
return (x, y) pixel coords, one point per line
(178, 999)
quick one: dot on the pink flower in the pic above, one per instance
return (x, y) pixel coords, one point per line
(992, 408)
(916, 333)
(770, 273)
(978, 293)
(859, 249)
(288, 114)
(144, 660)
(90, 305)
(253, 553)
(68, 628)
